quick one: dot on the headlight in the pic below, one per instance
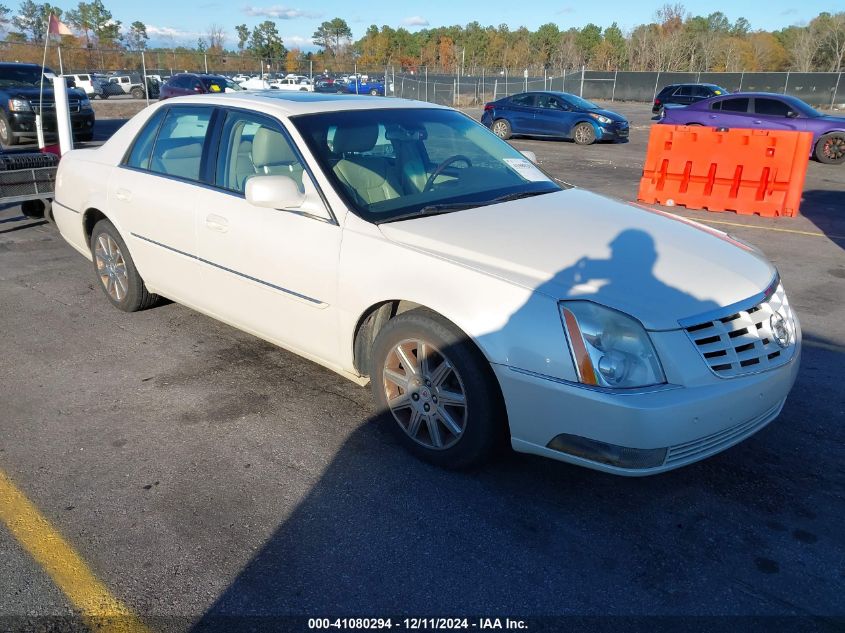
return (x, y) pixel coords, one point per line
(610, 349)
(19, 105)
(601, 118)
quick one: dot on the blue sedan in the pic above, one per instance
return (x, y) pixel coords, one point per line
(555, 114)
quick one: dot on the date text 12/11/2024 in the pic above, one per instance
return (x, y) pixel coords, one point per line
(413, 624)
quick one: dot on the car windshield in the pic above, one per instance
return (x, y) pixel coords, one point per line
(214, 84)
(399, 162)
(19, 76)
(577, 102)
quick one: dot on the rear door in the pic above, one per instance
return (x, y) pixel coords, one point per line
(733, 112)
(154, 197)
(520, 113)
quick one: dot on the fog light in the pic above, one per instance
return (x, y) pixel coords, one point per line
(602, 452)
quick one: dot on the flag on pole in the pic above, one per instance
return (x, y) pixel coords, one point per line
(57, 27)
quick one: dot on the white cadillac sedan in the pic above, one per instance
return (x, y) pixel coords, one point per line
(403, 244)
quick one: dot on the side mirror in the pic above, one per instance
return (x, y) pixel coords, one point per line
(792, 114)
(530, 156)
(274, 192)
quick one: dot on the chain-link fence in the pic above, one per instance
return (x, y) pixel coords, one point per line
(427, 84)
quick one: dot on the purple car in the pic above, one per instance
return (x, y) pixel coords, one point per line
(767, 111)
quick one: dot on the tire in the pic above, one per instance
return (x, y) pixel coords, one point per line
(374, 92)
(502, 129)
(34, 208)
(115, 271)
(7, 138)
(831, 149)
(584, 134)
(137, 93)
(104, 96)
(467, 434)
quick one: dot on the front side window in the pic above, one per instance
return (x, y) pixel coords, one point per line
(178, 147)
(770, 107)
(399, 161)
(254, 145)
(548, 102)
(526, 100)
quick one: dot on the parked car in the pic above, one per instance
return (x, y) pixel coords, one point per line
(366, 86)
(240, 78)
(376, 237)
(554, 114)
(193, 83)
(107, 88)
(133, 84)
(20, 88)
(329, 85)
(87, 83)
(292, 83)
(768, 111)
(685, 94)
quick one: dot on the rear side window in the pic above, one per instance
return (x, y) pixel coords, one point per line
(84, 77)
(731, 105)
(523, 100)
(139, 157)
(771, 107)
(178, 147)
(684, 91)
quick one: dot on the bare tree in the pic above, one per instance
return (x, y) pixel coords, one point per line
(216, 36)
(804, 48)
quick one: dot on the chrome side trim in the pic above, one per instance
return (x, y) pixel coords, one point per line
(316, 302)
(718, 313)
(64, 206)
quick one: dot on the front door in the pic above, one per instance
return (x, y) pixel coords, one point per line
(270, 271)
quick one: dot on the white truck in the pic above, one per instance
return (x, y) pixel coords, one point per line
(293, 83)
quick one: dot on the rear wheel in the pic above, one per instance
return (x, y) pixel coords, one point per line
(831, 148)
(116, 272)
(438, 390)
(374, 92)
(502, 129)
(584, 134)
(137, 93)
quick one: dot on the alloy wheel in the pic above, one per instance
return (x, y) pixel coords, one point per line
(500, 129)
(111, 267)
(425, 394)
(582, 134)
(834, 148)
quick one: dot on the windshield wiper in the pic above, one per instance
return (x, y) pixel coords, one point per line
(434, 209)
(519, 195)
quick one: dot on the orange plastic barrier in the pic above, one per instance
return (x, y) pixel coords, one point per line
(747, 171)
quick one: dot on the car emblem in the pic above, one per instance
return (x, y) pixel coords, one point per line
(780, 331)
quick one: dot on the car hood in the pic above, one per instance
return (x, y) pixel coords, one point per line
(32, 93)
(575, 244)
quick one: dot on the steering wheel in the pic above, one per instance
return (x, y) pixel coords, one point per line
(439, 170)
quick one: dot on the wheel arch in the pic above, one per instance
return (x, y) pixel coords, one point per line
(90, 217)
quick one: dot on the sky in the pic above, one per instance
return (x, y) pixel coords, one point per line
(185, 21)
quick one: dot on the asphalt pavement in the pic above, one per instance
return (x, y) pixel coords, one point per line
(202, 473)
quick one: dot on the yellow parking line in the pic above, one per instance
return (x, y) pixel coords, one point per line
(99, 609)
(770, 228)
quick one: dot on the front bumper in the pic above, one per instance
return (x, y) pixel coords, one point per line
(683, 424)
(22, 124)
(613, 132)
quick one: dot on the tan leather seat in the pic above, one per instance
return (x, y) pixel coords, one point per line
(369, 179)
(272, 154)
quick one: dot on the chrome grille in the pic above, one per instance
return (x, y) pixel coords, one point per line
(49, 106)
(744, 342)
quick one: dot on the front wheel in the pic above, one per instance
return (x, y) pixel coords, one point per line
(7, 138)
(831, 149)
(116, 271)
(439, 391)
(584, 134)
(502, 129)
(137, 93)
(374, 92)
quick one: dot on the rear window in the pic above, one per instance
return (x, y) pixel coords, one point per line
(83, 77)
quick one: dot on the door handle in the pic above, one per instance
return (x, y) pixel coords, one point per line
(712, 116)
(758, 122)
(217, 223)
(124, 195)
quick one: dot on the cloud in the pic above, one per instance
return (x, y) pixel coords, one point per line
(415, 20)
(565, 11)
(789, 12)
(297, 41)
(170, 32)
(279, 12)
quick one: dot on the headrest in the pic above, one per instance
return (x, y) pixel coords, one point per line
(359, 138)
(270, 147)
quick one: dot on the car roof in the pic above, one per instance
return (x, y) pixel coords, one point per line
(295, 103)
